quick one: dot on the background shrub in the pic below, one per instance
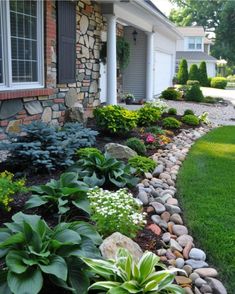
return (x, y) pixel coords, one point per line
(194, 93)
(148, 115)
(203, 78)
(170, 94)
(194, 73)
(209, 81)
(219, 82)
(155, 130)
(191, 120)
(193, 82)
(172, 111)
(209, 99)
(136, 145)
(115, 119)
(84, 152)
(188, 111)
(142, 164)
(171, 123)
(182, 75)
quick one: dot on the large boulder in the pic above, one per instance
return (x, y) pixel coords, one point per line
(75, 114)
(119, 151)
(110, 246)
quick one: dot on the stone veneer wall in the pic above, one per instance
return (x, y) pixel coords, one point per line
(50, 104)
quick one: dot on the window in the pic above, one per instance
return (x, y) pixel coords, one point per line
(21, 44)
(194, 43)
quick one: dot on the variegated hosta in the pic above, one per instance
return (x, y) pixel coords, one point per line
(124, 276)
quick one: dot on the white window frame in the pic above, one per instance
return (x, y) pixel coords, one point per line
(196, 42)
(6, 48)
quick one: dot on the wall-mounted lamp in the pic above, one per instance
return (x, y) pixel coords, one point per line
(134, 34)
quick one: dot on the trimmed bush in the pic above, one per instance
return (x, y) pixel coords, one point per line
(194, 73)
(188, 111)
(203, 78)
(85, 152)
(136, 145)
(219, 82)
(142, 164)
(148, 115)
(182, 75)
(194, 93)
(172, 111)
(191, 120)
(115, 119)
(192, 83)
(155, 130)
(209, 81)
(171, 123)
(170, 94)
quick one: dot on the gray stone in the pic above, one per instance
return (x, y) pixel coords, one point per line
(143, 196)
(194, 276)
(156, 219)
(175, 246)
(84, 24)
(172, 208)
(166, 237)
(33, 107)
(206, 289)
(179, 263)
(47, 115)
(180, 230)
(176, 218)
(216, 285)
(158, 170)
(159, 208)
(110, 246)
(165, 176)
(195, 264)
(188, 290)
(197, 291)
(10, 107)
(75, 114)
(184, 240)
(163, 224)
(161, 252)
(207, 272)
(71, 97)
(85, 52)
(199, 282)
(197, 254)
(119, 151)
(188, 269)
(93, 87)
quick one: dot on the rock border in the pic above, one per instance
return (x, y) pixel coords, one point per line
(157, 191)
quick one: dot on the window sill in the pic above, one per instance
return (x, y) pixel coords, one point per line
(15, 94)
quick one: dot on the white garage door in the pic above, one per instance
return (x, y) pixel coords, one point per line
(163, 72)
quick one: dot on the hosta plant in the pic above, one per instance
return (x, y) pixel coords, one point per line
(103, 170)
(61, 195)
(124, 275)
(116, 212)
(31, 252)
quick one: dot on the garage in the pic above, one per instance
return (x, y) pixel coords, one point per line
(162, 71)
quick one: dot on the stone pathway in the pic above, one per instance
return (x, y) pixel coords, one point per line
(157, 191)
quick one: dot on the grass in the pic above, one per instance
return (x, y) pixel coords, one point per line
(206, 187)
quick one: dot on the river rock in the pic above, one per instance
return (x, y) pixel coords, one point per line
(158, 170)
(156, 219)
(207, 272)
(143, 196)
(184, 240)
(172, 208)
(216, 285)
(176, 218)
(200, 282)
(166, 237)
(195, 264)
(179, 263)
(181, 280)
(197, 254)
(175, 245)
(159, 208)
(180, 230)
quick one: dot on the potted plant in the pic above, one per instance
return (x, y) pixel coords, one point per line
(129, 98)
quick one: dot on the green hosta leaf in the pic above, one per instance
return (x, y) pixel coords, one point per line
(158, 276)
(4, 289)
(33, 220)
(147, 263)
(132, 287)
(104, 268)
(29, 282)
(120, 182)
(87, 249)
(118, 290)
(3, 236)
(94, 181)
(35, 201)
(66, 237)
(104, 285)
(67, 178)
(87, 230)
(82, 203)
(174, 289)
(12, 240)
(14, 261)
(57, 267)
(167, 281)
(135, 272)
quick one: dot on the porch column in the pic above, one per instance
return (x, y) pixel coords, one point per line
(111, 60)
(149, 66)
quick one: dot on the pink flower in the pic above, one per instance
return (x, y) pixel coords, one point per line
(150, 139)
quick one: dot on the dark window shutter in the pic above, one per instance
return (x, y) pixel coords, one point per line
(66, 40)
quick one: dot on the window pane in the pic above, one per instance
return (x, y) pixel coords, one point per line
(1, 68)
(23, 16)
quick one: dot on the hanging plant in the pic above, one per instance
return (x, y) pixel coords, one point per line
(123, 52)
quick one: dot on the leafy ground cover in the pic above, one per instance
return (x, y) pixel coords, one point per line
(207, 191)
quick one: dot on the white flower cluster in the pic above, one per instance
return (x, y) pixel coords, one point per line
(163, 106)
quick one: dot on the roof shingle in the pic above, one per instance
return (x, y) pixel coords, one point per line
(194, 56)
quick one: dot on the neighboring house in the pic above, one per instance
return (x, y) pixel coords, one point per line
(195, 47)
(50, 56)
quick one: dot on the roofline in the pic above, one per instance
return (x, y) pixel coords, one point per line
(199, 60)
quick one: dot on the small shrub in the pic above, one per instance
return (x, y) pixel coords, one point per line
(191, 83)
(127, 275)
(204, 118)
(115, 212)
(194, 73)
(136, 145)
(148, 115)
(170, 94)
(171, 123)
(84, 152)
(209, 81)
(219, 82)
(194, 93)
(142, 164)
(209, 99)
(191, 120)
(159, 104)
(8, 187)
(115, 119)
(172, 111)
(182, 75)
(155, 130)
(203, 79)
(188, 111)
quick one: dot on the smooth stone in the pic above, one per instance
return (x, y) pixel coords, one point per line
(158, 170)
(166, 237)
(188, 290)
(194, 276)
(166, 216)
(143, 196)
(170, 255)
(207, 272)
(33, 107)
(188, 269)
(172, 208)
(155, 229)
(161, 252)
(175, 246)
(187, 249)
(181, 280)
(200, 282)
(163, 224)
(148, 176)
(216, 285)
(179, 263)
(197, 291)
(172, 201)
(156, 219)
(176, 218)
(159, 208)
(10, 107)
(206, 289)
(165, 176)
(180, 230)
(197, 254)
(195, 264)
(184, 240)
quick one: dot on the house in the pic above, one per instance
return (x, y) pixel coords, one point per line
(195, 47)
(50, 56)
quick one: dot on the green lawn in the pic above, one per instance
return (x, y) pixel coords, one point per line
(206, 188)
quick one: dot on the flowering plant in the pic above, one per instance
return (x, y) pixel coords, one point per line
(128, 96)
(161, 105)
(9, 187)
(155, 140)
(115, 212)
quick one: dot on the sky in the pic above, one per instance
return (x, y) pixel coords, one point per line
(164, 5)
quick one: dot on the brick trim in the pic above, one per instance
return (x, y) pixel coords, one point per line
(7, 95)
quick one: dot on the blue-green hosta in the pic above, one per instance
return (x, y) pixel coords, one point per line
(124, 276)
(31, 251)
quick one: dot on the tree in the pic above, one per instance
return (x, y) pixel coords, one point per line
(182, 75)
(194, 73)
(203, 78)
